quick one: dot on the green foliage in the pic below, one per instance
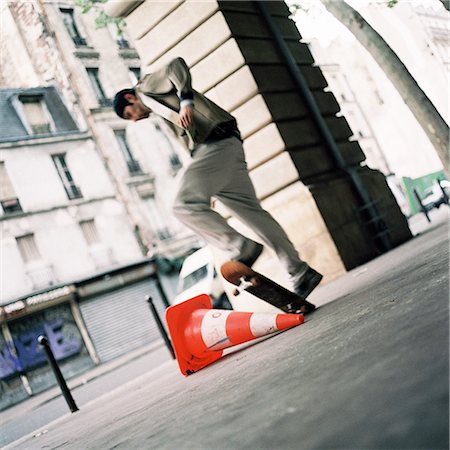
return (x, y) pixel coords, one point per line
(295, 6)
(102, 19)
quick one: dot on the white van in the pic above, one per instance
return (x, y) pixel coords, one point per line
(198, 276)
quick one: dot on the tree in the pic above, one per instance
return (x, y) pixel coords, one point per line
(446, 4)
(420, 105)
(102, 19)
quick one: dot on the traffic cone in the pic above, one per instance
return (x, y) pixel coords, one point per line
(199, 333)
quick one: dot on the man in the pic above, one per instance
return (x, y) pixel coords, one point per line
(218, 169)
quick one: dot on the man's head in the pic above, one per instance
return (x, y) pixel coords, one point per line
(129, 106)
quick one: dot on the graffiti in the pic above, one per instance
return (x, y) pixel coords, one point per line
(24, 353)
(9, 363)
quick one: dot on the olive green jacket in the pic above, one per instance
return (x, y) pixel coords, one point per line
(172, 84)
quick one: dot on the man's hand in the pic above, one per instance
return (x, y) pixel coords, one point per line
(186, 116)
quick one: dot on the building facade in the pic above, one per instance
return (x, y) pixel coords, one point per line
(390, 136)
(59, 220)
(85, 200)
(61, 46)
(71, 266)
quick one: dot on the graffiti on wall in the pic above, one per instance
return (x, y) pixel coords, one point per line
(25, 353)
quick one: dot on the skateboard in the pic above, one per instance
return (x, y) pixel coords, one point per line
(246, 279)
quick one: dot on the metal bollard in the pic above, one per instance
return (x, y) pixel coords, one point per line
(422, 206)
(162, 293)
(444, 194)
(59, 376)
(162, 330)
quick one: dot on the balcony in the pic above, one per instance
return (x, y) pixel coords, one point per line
(79, 41)
(133, 167)
(123, 44)
(73, 192)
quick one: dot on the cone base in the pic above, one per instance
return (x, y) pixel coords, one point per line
(177, 317)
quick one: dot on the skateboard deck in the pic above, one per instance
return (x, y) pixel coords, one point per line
(246, 279)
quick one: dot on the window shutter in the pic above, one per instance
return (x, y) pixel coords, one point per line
(27, 248)
(6, 188)
(90, 232)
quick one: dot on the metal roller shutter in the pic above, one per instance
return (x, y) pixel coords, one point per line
(120, 321)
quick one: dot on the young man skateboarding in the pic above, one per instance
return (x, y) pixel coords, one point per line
(218, 169)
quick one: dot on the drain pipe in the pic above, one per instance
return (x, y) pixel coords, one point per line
(299, 80)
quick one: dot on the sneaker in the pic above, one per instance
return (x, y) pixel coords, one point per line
(308, 282)
(252, 254)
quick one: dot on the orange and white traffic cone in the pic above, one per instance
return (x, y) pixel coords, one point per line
(199, 334)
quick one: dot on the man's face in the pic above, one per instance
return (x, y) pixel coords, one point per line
(136, 110)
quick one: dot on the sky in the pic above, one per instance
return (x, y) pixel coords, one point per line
(316, 22)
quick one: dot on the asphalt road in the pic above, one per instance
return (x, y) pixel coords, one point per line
(369, 369)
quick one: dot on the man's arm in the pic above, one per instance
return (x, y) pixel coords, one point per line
(179, 75)
(174, 75)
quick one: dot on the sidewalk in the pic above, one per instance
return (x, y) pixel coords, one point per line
(44, 397)
(368, 369)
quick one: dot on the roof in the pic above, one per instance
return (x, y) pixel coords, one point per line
(12, 128)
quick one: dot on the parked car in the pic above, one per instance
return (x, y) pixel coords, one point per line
(434, 197)
(199, 276)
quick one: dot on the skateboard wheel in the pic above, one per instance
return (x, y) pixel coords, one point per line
(236, 292)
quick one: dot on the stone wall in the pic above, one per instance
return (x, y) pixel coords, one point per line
(235, 62)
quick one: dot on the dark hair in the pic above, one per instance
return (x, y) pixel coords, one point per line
(120, 101)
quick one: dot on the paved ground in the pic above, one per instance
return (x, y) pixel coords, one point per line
(369, 369)
(44, 408)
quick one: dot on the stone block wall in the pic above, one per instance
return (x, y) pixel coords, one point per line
(235, 62)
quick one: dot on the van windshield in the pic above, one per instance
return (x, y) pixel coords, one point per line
(194, 277)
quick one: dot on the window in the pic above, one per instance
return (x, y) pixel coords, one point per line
(27, 248)
(94, 77)
(70, 187)
(119, 37)
(133, 166)
(122, 42)
(90, 232)
(8, 198)
(39, 273)
(36, 114)
(194, 277)
(135, 74)
(71, 27)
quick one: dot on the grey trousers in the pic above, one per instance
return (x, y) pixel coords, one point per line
(219, 170)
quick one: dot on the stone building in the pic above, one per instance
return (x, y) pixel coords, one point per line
(390, 136)
(71, 267)
(84, 200)
(51, 42)
(59, 220)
